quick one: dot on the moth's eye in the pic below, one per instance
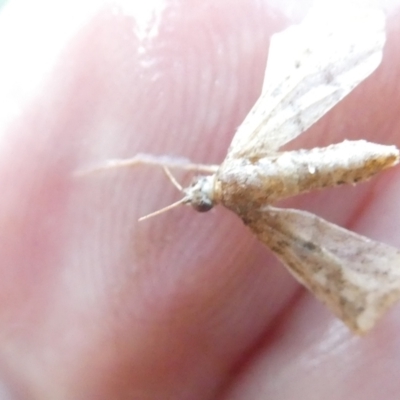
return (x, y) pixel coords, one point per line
(203, 205)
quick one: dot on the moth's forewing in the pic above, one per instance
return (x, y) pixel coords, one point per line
(357, 278)
(310, 68)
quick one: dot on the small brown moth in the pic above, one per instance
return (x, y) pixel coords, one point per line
(310, 68)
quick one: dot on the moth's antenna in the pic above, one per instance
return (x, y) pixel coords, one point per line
(173, 205)
(172, 178)
(148, 159)
(163, 210)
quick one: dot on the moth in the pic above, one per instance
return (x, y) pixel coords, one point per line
(311, 67)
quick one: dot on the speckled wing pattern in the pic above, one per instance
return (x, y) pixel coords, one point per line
(356, 277)
(310, 68)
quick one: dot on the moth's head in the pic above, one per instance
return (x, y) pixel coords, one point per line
(200, 194)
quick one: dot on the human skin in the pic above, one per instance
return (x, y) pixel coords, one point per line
(93, 304)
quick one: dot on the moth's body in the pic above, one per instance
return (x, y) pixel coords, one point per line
(243, 185)
(310, 68)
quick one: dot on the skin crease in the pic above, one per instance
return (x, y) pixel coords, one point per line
(95, 305)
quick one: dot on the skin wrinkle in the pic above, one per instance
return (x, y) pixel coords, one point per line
(242, 365)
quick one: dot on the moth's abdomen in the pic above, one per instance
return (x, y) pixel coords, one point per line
(244, 183)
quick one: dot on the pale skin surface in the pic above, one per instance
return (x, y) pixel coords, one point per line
(183, 306)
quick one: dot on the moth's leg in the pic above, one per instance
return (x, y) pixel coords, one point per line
(148, 159)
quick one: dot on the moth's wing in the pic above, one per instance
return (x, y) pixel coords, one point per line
(357, 278)
(310, 68)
